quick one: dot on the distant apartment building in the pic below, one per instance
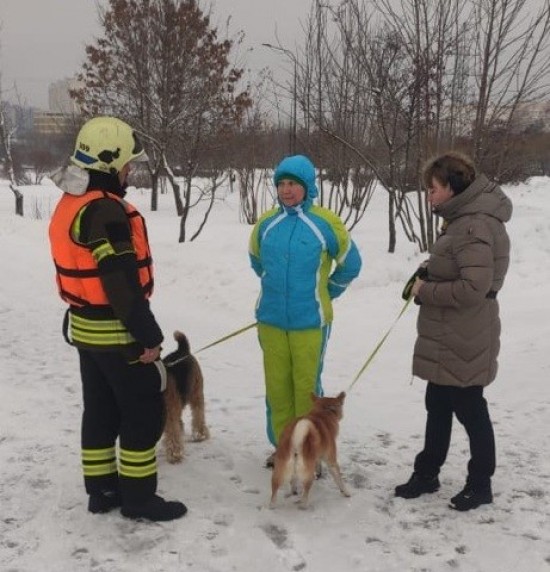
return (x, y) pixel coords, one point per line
(52, 123)
(62, 111)
(59, 100)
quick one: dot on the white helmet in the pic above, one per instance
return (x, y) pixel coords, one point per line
(106, 144)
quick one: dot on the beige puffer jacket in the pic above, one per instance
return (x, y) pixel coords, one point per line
(458, 322)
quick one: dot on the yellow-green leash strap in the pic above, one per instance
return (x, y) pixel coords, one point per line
(379, 345)
(229, 336)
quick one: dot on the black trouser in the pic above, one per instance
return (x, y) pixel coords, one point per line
(470, 408)
(125, 401)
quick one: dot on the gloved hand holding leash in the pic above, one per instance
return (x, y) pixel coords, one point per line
(415, 282)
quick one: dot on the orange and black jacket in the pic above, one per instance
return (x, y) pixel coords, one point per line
(104, 269)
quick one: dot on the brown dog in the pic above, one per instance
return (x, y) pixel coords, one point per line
(184, 386)
(304, 443)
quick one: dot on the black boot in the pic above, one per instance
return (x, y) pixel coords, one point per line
(104, 501)
(471, 497)
(417, 485)
(155, 508)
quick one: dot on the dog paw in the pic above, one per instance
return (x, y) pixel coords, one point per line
(201, 435)
(174, 458)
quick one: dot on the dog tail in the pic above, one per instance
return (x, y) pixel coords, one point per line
(183, 342)
(301, 445)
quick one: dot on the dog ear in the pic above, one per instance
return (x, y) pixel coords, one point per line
(342, 396)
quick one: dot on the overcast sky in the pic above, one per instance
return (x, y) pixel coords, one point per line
(43, 40)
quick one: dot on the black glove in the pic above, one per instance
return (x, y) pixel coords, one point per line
(422, 273)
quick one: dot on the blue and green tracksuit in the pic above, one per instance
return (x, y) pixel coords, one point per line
(305, 258)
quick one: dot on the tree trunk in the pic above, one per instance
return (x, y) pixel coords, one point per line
(5, 141)
(18, 200)
(391, 222)
(154, 191)
(185, 209)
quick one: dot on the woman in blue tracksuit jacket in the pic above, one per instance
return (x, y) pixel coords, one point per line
(305, 258)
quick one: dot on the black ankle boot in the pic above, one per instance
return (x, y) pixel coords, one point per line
(104, 501)
(471, 497)
(417, 485)
(155, 508)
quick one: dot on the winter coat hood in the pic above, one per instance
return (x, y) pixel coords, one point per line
(481, 197)
(76, 181)
(298, 168)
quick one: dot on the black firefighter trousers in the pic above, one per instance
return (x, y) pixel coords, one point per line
(123, 401)
(470, 408)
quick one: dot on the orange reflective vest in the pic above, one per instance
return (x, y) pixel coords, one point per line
(77, 272)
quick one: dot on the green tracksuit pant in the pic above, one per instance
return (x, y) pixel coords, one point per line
(293, 361)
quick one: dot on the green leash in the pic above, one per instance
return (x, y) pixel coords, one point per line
(379, 345)
(228, 337)
(357, 376)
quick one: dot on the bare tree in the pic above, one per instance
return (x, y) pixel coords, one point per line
(373, 89)
(405, 79)
(511, 62)
(255, 149)
(161, 66)
(6, 136)
(414, 120)
(328, 117)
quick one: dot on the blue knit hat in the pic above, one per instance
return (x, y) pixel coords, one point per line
(300, 169)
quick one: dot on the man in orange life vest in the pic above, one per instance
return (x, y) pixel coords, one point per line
(104, 272)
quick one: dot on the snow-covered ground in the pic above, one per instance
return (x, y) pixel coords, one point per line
(207, 289)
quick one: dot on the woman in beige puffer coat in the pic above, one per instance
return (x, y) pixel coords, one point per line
(458, 323)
